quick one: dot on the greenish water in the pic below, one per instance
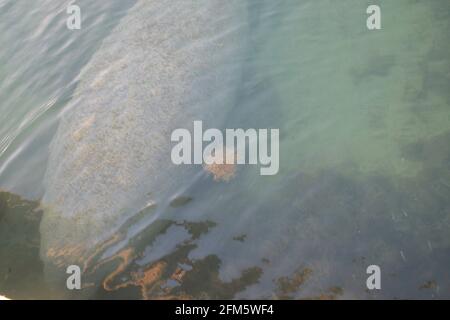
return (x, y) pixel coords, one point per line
(364, 119)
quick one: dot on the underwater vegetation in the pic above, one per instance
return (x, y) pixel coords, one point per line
(400, 224)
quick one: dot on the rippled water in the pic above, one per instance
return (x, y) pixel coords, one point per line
(85, 171)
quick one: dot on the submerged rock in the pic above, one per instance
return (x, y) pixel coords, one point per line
(166, 64)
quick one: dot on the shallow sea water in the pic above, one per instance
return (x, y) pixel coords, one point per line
(364, 121)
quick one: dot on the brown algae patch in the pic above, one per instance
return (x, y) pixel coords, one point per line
(288, 286)
(222, 167)
(172, 276)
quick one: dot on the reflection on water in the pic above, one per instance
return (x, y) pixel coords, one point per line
(39, 70)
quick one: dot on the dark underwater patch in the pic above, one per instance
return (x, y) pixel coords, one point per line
(325, 228)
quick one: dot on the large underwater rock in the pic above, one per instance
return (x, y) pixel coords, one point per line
(166, 64)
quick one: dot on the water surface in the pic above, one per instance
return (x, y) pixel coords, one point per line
(364, 121)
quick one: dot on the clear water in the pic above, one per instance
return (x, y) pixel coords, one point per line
(364, 120)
